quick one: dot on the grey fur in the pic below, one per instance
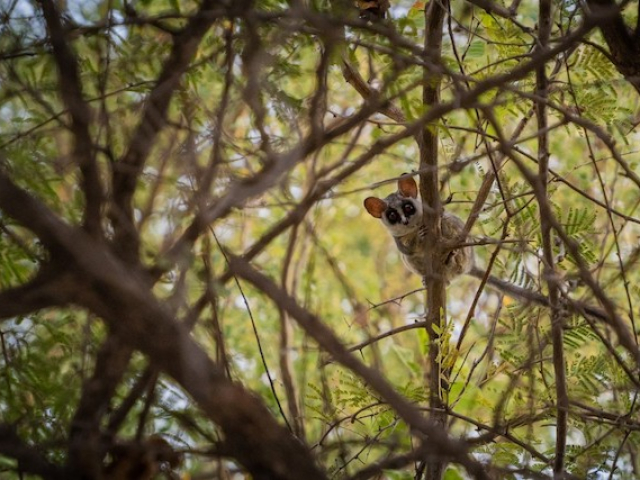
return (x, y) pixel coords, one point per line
(409, 234)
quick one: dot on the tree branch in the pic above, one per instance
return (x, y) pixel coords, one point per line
(625, 336)
(624, 46)
(549, 269)
(71, 91)
(30, 459)
(436, 299)
(108, 287)
(128, 169)
(86, 445)
(440, 443)
(52, 287)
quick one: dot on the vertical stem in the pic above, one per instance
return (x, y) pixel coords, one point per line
(562, 405)
(85, 450)
(286, 332)
(429, 190)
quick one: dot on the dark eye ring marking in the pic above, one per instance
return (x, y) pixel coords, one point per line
(392, 216)
(408, 208)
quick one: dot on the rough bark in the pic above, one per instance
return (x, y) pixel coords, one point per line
(622, 40)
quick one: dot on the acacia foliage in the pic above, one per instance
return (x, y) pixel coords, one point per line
(183, 242)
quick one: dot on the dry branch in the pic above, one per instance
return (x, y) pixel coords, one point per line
(107, 287)
(440, 444)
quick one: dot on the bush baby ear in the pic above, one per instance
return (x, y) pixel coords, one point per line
(375, 206)
(407, 186)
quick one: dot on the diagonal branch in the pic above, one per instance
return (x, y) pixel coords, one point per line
(129, 168)
(441, 445)
(86, 448)
(624, 46)
(51, 287)
(108, 287)
(626, 337)
(241, 191)
(71, 91)
(30, 459)
(279, 164)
